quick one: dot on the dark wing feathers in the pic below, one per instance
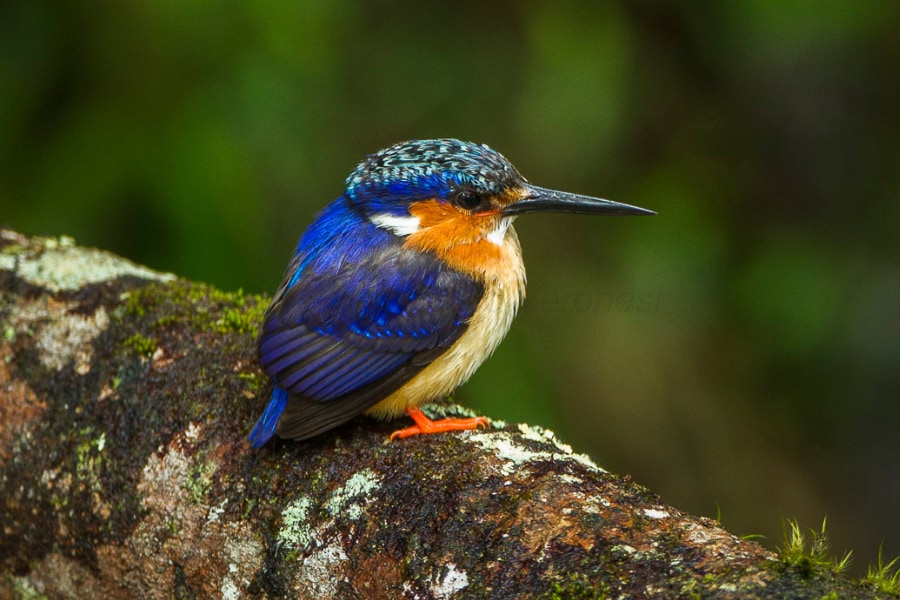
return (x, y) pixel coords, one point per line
(344, 335)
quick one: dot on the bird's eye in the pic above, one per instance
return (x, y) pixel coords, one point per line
(467, 200)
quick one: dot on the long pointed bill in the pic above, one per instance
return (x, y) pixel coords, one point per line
(538, 199)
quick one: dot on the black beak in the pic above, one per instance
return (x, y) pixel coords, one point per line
(538, 199)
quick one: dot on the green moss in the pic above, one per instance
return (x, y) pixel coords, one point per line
(238, 320)
(884, 577)
(165, 321)
(253, 381)
(142, 345)
(88, 459)
(23, 589)
(691, 589)
(809, 555)
(250, 504)
(59, 501)
(138, 302)
(199, 481)
(576, 586)
(201, 307)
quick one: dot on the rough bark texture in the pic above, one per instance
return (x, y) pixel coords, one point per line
(125, 400)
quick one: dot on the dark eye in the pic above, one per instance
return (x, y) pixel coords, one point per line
(467, 200)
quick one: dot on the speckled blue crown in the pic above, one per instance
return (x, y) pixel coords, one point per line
(417, 169)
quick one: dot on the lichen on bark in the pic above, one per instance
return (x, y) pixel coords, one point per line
(125, 400)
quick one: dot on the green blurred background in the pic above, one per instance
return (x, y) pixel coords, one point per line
(740, 351)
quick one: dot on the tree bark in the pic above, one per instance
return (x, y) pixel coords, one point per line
(126, 397)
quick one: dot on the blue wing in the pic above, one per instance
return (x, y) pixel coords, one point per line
(353, 323)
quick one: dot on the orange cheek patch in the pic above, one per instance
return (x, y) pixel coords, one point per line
(456, 237)
(432, 213)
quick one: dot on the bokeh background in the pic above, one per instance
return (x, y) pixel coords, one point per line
(738, 353)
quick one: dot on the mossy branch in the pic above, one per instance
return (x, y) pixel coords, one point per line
(125, 400)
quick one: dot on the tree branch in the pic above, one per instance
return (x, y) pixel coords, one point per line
(125, 400)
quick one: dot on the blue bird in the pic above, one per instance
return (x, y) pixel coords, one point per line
(401, 288)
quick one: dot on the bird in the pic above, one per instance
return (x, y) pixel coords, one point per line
(401, 288)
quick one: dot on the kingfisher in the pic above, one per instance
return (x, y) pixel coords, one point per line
(401, 288)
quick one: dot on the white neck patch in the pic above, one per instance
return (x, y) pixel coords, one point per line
(397, 225)
(497, 236)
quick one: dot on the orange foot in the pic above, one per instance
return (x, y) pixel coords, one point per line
(426, 425)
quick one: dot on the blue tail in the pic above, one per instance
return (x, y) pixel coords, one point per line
(265, 427)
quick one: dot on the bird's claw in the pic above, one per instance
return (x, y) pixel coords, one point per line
(424, 425)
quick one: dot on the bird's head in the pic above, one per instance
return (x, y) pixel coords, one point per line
(446, 193)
